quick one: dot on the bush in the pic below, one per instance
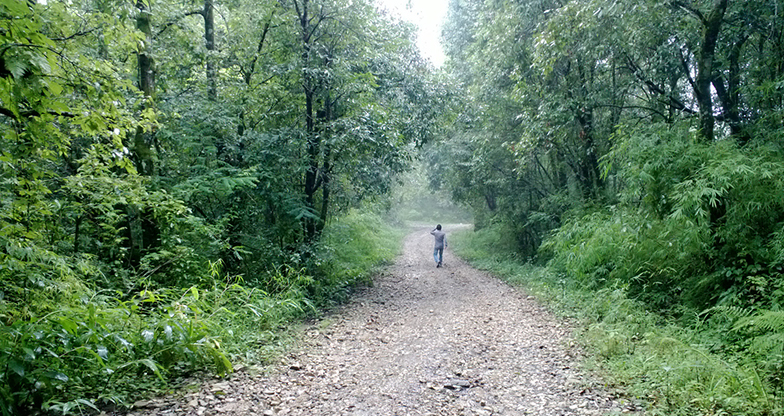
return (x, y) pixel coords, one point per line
(353, 248)
(66, 345)
(701, 364)
(652, 259)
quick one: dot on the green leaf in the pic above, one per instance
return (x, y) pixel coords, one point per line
(152, 365)
(123, 342)
(69, 325)
(87, 403)
(29, 354)
(103, 352)
(16, 68)
(17, 367)
(56, 375)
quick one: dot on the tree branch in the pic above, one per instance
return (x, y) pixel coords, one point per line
(176, 20)
(75, 35)
(690, 9)
(32, 113)
(264, 33)
(686, 70)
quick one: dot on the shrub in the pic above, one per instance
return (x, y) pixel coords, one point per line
(353, 248)
(650, 258)
(725, 361)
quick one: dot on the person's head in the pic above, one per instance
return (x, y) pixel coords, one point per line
(438, 227)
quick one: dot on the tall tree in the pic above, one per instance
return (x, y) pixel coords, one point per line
(209, 42)
(711, 24)
(145, 163)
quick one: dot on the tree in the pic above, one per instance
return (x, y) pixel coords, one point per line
(711, 26)
(338, 88)
(147, 156)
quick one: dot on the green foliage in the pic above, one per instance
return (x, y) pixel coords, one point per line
(696, 229)
(73, 346)
(763, 333)
(722, 202)
(150, 230)
(96, 348)
(653, 259)
(477, 248)
(354, 248)
(694, 366)
(635, 147)
(578, 132)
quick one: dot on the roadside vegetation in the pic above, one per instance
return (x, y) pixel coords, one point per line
(624, 159)
(77, 348)
(180, 181)
(698, 362)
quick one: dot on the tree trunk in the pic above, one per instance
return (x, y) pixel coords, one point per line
(325, 189)
(730, 95)
(588, 160)
(313, 140)
(145, 164)
(209, 41)
(491, 201)
(248, 73)
(142, 148)
(590, 178)
(710, 35)
(77, 233)
(326, 131)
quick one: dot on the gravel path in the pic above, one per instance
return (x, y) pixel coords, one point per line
(421, 341)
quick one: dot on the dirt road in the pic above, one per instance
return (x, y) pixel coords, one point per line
(421, 341)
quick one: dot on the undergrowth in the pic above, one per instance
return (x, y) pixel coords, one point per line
(354, 248)
(702, 363)
(72, 348)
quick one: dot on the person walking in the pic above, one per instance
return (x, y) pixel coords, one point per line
(438, 251)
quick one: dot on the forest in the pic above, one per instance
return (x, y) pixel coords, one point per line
(182, 180)
(634, 150)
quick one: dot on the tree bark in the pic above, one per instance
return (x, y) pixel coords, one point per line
(711, 26)
(247, 74)
(491, 202)
(142, 149)
(730, 95)
(590, 179)
(313, 140)
(326, 131)
(145, 163)
(209, 42)
(588, 162)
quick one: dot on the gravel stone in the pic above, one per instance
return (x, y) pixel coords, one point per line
(421, 341)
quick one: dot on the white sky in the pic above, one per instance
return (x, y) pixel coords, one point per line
(428, 15)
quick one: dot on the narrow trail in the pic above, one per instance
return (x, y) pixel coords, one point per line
(421, 341)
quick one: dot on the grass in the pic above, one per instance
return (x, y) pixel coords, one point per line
(360, 242)
(670, 368)
(98, 349)
(354, 248)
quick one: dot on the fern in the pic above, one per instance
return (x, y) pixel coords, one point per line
(764, 321)
(732, 312)
(767, 341)
(769, 344)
